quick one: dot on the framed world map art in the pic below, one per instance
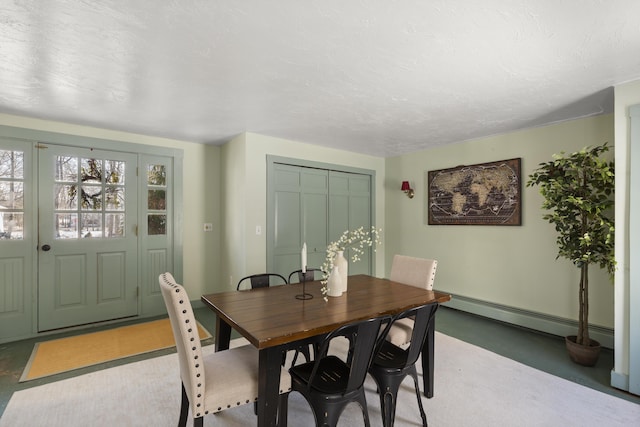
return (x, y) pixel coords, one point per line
(482, 194)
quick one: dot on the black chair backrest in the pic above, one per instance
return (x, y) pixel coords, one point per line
(422, 316)
(309, 276)
(364, 338)
(262, 280)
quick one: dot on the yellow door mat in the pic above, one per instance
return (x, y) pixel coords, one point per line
(65, 354)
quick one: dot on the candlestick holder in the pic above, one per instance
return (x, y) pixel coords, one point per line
(304, 295)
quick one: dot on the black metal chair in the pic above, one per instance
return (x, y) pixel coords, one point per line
(309, 276)
(262, 280)
(392, 364)
(330, 383)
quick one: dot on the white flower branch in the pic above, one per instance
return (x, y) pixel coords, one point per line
(356, 241)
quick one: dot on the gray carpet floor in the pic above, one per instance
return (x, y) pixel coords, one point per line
(475, 387)
(541, 351)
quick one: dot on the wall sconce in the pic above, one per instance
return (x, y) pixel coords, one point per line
(407, 189)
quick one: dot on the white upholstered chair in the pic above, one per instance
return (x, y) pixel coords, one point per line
(217, 381)
(419, 272)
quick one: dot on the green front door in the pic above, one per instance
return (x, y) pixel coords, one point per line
(87, 243)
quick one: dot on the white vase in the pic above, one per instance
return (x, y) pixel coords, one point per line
(334, 283)
(342, 264)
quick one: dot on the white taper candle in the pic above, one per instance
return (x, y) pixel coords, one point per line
(304, 257)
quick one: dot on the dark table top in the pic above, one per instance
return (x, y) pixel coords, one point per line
(272, 316)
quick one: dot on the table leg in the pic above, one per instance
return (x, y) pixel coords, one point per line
(223, 334)
(269, 363)
(427, 358)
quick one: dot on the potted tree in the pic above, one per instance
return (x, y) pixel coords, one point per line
(577, 191)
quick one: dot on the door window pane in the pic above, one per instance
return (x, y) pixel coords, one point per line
(65, 197)
(11, 194)
(91, 171)
(114, 198)
(114, 172)
(156, 200)
(156, 224)
(156, 175)
(66, 169)
(91, 225)
(66, 226)
(89, 198)
(114, 225)
(11, 164)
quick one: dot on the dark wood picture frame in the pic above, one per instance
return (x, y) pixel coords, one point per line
(481, 194)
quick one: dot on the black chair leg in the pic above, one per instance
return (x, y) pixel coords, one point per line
(388, 387)
(197, 422)
(388, 408)
(184, 409)
(362, 400)
(414, 375)
(283, 410)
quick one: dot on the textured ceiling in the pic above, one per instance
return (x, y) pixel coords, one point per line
(377, 77)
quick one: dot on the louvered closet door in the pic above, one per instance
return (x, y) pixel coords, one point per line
(315, 206)
(301, 197)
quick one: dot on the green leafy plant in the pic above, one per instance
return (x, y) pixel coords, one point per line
(578, 193)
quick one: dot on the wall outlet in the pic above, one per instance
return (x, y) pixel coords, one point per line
(208, 226)
(258, 230)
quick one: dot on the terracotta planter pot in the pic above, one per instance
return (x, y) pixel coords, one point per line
(585, 355)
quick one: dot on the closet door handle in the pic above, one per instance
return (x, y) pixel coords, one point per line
(46, 248)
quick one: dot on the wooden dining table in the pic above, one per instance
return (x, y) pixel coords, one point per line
(274, 321)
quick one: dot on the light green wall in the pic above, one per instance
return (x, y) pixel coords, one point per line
(233, 206)
(514, 266)
(201, 193)
(249, 153)
(509, 265)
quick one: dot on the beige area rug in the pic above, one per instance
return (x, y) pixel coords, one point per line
(473, 387)
(65, 354)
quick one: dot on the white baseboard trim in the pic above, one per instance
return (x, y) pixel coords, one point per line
(528, 319)
(619, 380)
